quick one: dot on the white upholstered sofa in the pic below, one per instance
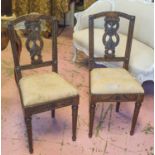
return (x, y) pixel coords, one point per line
(141, 63)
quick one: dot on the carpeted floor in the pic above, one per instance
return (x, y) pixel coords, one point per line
(53, 136)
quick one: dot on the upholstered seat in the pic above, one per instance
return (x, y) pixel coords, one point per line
(42, 88)
(114, 81)
(139, 52)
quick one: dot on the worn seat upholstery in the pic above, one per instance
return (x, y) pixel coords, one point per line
(113, 81)
(41, 88)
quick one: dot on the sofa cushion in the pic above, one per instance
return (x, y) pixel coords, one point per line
(144, 23)
(41, 88)
(114, 81)
(141, 59)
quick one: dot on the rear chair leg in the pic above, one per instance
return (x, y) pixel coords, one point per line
(53, 113)
(74, 120)
(29, 133)
(117, 106)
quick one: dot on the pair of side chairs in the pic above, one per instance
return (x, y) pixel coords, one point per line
(42, 92)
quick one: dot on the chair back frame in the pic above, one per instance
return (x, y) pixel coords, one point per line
(34, 43)
(33, 26)
(110, 37)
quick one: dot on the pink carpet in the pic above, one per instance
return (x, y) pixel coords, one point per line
(53, 136)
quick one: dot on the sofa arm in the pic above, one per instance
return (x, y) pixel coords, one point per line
(83, 16)
(78, 24)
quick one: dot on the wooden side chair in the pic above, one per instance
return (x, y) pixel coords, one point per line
(112, 84)
(40, 92)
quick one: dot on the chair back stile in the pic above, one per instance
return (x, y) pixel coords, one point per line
(54, 46)
(110, 38)
(34, 43)
(129, 41)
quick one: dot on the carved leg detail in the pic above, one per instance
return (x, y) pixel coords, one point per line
(117, 106)
(91, 118)
(53, 113)
(74, 121)
(29, 133)
(135, 116)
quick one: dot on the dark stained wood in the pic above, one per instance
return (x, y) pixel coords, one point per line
(53, 113)
(74, 120)
(28, 122)
(117, 106)
(33, 34)
(111, 28)
(135, 115)
(91, 117)
(117, 59)
(34, 42)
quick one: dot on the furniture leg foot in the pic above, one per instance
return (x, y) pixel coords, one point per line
(117, 106)
(74, 121)
(91, 118)
(29, 133)
(135, 116)
(53, 113)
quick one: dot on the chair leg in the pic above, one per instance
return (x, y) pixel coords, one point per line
(29, 133)
(91, 118)
(117, 106)
(53, 113)
(135, 116)
(74, 121)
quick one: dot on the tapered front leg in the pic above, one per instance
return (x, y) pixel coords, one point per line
(53, 113)
(29, 133)
(117, 106)
(91, 118)
(74, 120)
(135, 116)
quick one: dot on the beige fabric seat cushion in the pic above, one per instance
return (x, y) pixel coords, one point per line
(41, 88)
(113, 81)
